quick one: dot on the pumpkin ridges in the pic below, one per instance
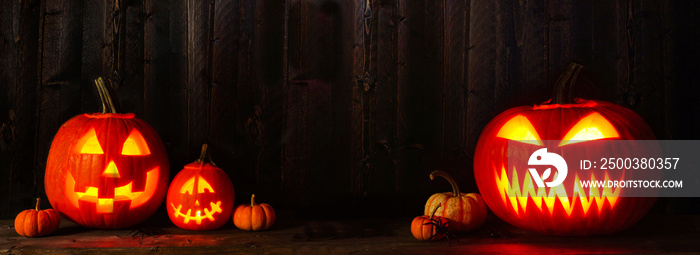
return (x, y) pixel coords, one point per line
(36, 222)
(269, 215)
(198, 172)
(254, 216)
(463, 213)
(558, 116)
(63, 160)
(19, 223)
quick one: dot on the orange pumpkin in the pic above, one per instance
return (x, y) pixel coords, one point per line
(515, 134)
(106, 170)
(465, 211)
(254, 216)
(36, 222)
(426, 228)
(201, 195)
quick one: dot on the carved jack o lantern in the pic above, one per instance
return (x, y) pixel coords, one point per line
(564, 209)
(201, 196)
(106, 170)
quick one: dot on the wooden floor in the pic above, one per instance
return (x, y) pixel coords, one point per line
(654, 234)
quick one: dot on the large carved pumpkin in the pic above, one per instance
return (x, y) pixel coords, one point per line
(580, 125)
(106, 170)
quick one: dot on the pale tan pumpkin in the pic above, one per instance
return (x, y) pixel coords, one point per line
(465, 211)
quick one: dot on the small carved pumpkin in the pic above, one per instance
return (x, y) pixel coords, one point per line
(200, 196)
(465, 211)
(106, 170)
(254, 216)
(36, 222)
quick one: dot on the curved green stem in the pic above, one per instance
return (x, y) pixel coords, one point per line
(252, 200)
(106, 96)
(38, 202)
(455, 188)
(204, 155)
(564, 86)
(435, 210)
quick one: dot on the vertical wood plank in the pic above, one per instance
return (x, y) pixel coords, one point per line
(453, 102)
(131, 47)
(179, 148)
(569, 35)
(480, 76)
(333, 91)
(20, 180)
(157, 83)
(227, 46)
(295, 159)
(415, 93)
(361, 38)
(642, 92)
(314, 32)
(198, 83)
(265, 125)
(383, 107)
(59, 75)
(605, 51)
(92, 62)
(529, 56)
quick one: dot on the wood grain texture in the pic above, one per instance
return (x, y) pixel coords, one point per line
(19, 37)
(290, 235)
(326, 105)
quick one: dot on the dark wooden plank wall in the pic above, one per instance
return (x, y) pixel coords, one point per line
(329, 106)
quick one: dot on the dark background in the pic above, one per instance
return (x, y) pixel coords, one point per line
(331, 108)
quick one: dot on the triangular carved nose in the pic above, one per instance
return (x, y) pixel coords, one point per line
(111, 170)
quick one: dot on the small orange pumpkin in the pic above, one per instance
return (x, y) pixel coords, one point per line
(254, 216)
(465, 211)
(425, 228)
(36, 222)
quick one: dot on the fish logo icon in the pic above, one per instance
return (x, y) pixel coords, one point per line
(543, 158)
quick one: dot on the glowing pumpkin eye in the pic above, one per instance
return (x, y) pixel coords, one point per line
(188, 186)
(204, 185)
(89, 143)
(592, 127)
(135, 145)
(520, 129)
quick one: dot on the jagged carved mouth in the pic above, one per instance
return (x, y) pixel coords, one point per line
(121, 193)
(198, 217)
(517, 192)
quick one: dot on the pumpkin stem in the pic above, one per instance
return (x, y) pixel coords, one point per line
(455, 188)
(252, 200)
(435, 210)
(38, 202)
(107, 96)
(564, 87)
(204, 155)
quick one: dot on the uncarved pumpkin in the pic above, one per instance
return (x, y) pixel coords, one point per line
(201, 195)
(465, 211)
(106, 170)
(37, 222)
(556, 211)
(425, 228)
(254, 217)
